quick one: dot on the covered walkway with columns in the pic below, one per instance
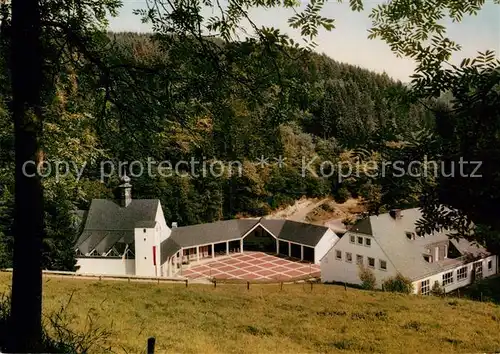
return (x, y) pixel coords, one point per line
(192, 245)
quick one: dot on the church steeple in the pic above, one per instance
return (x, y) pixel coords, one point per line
(126, 192)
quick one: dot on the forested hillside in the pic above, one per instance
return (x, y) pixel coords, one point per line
(289, 106)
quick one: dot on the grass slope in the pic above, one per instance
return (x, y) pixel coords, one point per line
(230, 319)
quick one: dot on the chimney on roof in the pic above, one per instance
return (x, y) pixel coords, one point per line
(126, 192)
(395, 213)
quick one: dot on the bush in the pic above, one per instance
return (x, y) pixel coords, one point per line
(349, 221)
(487, 289)
(398, 284)
(437, 289)
(368, 280)
(328, 207)
(341, 195)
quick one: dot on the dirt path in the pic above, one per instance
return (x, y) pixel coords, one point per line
(298, 211)
(300, 214)
(311, 211)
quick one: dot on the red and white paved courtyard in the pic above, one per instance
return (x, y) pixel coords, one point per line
(253, 266)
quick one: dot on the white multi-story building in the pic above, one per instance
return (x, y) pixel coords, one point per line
(388, 244)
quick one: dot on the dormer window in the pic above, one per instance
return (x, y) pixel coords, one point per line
(428, 258)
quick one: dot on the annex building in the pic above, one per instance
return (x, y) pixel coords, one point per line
(388, 244)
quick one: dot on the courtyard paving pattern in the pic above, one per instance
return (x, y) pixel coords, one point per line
(253, 266)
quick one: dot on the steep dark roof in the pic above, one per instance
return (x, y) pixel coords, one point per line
(108, 215)
(108, 223)
(363, 226)
(299, 232)
(469, 248)
(407, 255)
(151, 224)
(81, 215)
(219, 231)
(102, 241)
(168, 248)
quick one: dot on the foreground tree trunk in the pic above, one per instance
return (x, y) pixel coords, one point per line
(26, 77)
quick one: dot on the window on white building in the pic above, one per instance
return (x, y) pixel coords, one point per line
(490, 265)
(448, 278)
(338, 255)
(462, 274)
(360, 240)
(371, 262)
(348, 257)
(425, 288)
(368, 242)
(359, 259)
(383, 265)
(353, 239)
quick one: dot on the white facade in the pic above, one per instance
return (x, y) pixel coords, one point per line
(147, 245)
(489, 268)
(328, 240)
(344, 270)
(105, 266)
(161, 223)
(147, 260)
(147, 251)
(340, 265)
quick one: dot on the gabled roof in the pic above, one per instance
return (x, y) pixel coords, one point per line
(468, 248)
(108, 215)
(363, 226)
(108, 223)
(299, 232)
(406, 255)
(194, 235)
(218, 231)
(150, 224)
(168, 248)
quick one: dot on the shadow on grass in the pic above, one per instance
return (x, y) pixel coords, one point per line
(487, 290)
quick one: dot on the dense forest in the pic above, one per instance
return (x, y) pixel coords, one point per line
(296, 106)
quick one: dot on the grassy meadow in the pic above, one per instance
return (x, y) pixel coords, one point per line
(231, 319)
